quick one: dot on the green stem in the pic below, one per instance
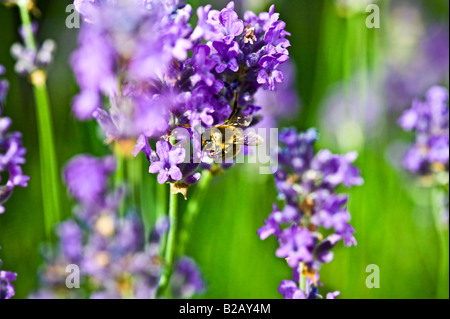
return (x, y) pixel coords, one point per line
(49, 175)
(27, 27)
(193, 209)
(169, 255)
(161, 209)
(302, 279)
(134, 176)
(48, 161)
(147, 202)
(119, 178)
(442, 282)
(161, 205)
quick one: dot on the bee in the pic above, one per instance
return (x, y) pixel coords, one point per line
(225, 140)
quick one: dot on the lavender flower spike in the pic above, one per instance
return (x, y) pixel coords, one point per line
(6, 288)
(307, 181)
(12, 153)
(429, 119)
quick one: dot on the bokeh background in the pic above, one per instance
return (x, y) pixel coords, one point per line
(353, 83)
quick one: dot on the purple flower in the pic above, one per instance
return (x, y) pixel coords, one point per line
(143, 145)
(169, 158)
(187, 280)
(337, 169)
(227, 23)
(275, 38)
(281, 104)
(86, 177)
(333, 295)
(203, 65)
(290, 290)
(203, 28)
(271, 226)
(226, 56)
(12, 153)
(6, 288)
(263, 21)
(130, 236)
(4, 87)
(269, 74)
(111, 252)
(71, 241)
(30, 60)
(307, 182)
(144, 73)
(86, 103)
(296, 245)
(429, 120)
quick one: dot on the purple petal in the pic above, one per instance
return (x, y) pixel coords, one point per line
(163, 176)
(156, 167)
(175, 173)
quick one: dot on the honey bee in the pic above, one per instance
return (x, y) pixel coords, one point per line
(225, 140)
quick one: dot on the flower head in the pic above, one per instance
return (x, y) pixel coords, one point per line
(307, 180)
(187, 280)
(6, 288)
(12, 152)
(168, 159)
(429, 120)
(158, 74)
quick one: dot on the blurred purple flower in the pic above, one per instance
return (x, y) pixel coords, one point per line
(87, 177)
(6, 288)
(290, 290)
(115, 259)
(71, 241)
(187, 280)
(429, 120)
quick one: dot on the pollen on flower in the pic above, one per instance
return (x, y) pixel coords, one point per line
(250, 35)
(38, 77)
(105, 225)
(102, 258)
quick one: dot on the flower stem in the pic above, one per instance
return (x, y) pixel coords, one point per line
(302, 279)
(193, 209)
(134, 177)
(147, 203)
(48, 161)
(119, 178)
(169, 255)
(442, 282)
(27, 28)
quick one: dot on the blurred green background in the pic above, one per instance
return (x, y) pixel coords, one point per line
(391, 214)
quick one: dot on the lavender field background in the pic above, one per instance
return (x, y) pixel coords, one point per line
(353, 84)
